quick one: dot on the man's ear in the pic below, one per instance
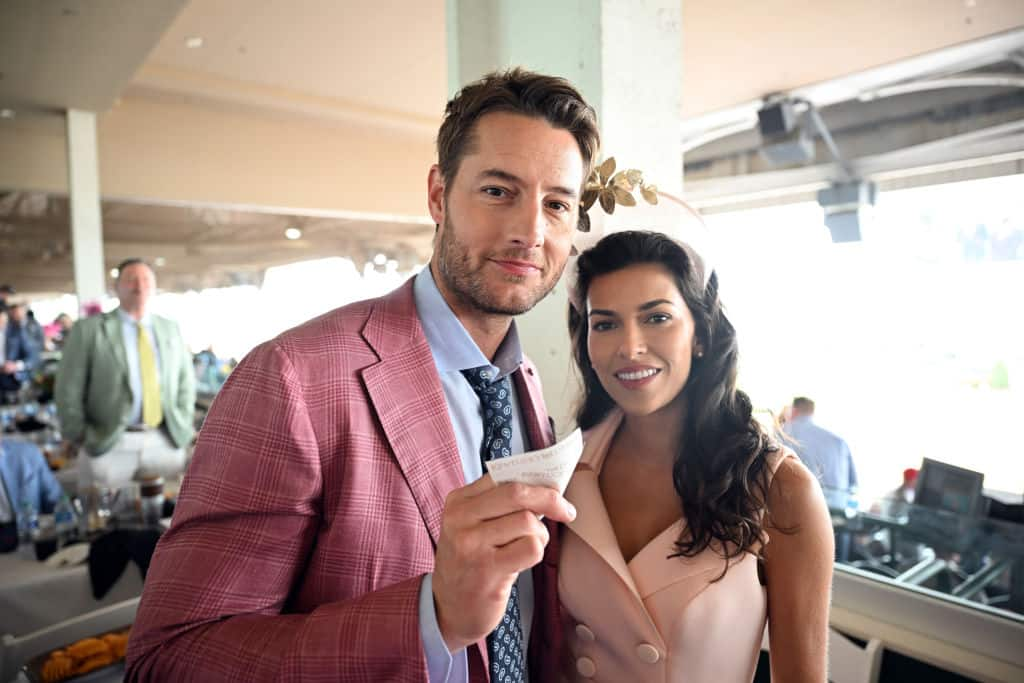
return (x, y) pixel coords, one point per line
(435, 194)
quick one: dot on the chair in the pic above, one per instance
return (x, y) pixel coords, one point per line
(16, 652)
(850, 663)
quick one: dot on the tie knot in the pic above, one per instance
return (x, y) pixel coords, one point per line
(479, 378)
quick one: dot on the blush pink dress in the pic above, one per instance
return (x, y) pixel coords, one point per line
(652, 618)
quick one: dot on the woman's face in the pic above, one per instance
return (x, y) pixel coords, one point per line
(640, 337)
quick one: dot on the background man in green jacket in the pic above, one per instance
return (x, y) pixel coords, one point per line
(126, 388)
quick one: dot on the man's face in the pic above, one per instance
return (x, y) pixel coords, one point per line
(18, 313)
(507, 217)
(135, 286)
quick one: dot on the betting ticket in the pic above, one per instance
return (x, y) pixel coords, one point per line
(551, 466)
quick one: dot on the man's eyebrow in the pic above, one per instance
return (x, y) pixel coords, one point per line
(502, 174)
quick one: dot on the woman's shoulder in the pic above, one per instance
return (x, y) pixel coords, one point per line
(794, 491)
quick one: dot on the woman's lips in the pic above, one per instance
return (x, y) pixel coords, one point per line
(636, 377)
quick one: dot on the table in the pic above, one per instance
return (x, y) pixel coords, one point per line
(33, 596)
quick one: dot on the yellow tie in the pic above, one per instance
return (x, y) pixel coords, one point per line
(152, 412)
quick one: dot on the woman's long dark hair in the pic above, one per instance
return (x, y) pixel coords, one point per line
(720, 471)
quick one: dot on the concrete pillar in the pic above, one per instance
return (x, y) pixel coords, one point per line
(625, 56)
(84, 201)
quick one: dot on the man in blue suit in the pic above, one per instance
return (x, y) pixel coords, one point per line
(20, 355)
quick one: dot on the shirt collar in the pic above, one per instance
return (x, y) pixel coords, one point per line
(450, 343)
(146, 320)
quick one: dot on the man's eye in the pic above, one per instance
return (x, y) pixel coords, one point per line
(495, 191)
(558, 206)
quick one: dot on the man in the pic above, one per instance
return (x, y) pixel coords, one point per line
(6, 291)
(20, 356)
(829, 458)
(125, 388)
(34, 329)
(325, 530)
(824, 453)
(24, 477)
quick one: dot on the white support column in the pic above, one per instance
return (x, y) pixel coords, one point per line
(84, 200)
(625, 56)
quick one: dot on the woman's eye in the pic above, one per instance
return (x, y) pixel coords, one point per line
(659, 318)
(601, 326)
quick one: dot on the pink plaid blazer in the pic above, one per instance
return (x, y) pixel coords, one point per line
(311, 510)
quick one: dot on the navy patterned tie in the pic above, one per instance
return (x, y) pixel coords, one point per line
(505, 643)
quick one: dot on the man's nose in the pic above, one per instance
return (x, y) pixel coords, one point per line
(530, 225)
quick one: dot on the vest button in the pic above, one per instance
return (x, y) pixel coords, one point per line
(585, 667)
(647, 653)
(585, 633)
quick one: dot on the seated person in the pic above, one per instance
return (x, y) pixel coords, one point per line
(24, 476)
(18, 354)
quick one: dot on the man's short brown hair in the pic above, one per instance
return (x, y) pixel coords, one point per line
(804, 404)
(516, 91)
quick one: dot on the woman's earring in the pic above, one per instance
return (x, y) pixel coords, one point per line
(700, 353)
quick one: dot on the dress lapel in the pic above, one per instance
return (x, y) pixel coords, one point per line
(593, 525)
(653, 570)
(406, 394)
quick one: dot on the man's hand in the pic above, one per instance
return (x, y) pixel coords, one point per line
(489, 534)
(10, 367)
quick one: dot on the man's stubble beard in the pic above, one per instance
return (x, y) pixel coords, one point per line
(468, 284)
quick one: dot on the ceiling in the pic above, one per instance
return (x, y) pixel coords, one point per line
(378, 71)
(191, 247)
(377, 57)
(76, 53)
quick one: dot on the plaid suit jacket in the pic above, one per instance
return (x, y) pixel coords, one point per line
(311, 511)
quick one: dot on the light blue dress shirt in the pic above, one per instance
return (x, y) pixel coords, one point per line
(130, 334)
(453, 351)
(827, 457)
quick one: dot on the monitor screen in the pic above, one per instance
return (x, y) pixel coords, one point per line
(947, 487)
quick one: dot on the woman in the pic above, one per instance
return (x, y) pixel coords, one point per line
(693, 525)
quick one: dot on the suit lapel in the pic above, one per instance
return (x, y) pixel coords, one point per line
(115, 340)
(406, 394)
(161, 333)
(531, 405)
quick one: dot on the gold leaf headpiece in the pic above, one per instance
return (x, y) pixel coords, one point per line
(609, 188)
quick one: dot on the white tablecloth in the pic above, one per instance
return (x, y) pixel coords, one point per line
(33, 596)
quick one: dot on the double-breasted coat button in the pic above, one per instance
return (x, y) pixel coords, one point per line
(585, 633)
(647, 653)
(585, 667)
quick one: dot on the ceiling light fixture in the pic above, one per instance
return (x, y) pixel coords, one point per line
(380, 259)
(159, 262)
(193, 42)
(7, 114)
(113, 273)
(292, 233)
